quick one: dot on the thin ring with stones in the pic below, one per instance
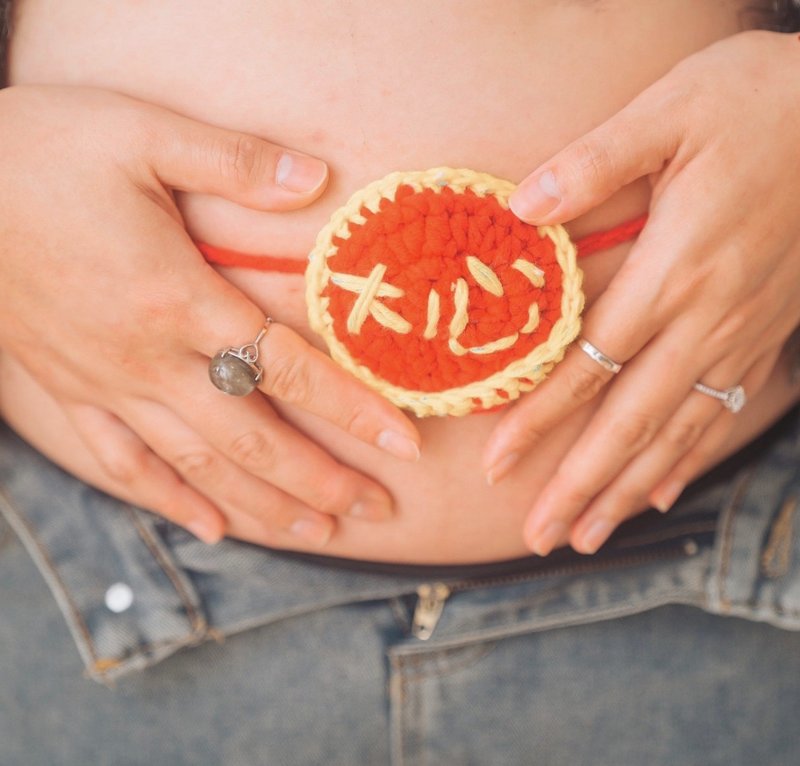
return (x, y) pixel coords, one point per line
(733, 398)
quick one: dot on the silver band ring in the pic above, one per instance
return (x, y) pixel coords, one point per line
(595, 353)
(235, 370)
(733, 398)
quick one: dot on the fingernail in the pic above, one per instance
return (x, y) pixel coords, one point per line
(501, 468)
(316, 532)
(663, 498)
(554, 533)
(205, 529)
(598, 532)
(398, 445)
(372, 509)
(536, 197)
(300, 173)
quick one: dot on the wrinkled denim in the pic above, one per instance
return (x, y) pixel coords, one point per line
(677, 644)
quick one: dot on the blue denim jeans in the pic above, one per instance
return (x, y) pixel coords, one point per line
(677, 644)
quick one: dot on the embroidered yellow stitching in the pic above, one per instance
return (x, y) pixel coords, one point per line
(533, 319)
(369, 289)
(484, 276)
(534, 274)
(433, 315)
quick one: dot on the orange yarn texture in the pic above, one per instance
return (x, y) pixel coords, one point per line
(423, 238)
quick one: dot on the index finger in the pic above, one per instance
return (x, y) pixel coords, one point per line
(627, 146)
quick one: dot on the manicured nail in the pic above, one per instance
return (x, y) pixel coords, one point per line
(205, 529)
(501, 468)
(315, 532)
(598, 532)
(300, 173)
(536, 197)
(369, 508)
(398, 445)
(554, 533)
(664, 497)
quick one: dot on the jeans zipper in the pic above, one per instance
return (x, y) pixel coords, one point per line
(432, 596)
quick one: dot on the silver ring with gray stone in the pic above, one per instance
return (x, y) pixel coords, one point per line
(235, 370)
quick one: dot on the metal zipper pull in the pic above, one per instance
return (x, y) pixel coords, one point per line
(430, 604)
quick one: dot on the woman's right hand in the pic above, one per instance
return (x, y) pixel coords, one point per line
(110, 309)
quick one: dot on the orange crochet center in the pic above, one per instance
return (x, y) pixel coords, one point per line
(424, 238)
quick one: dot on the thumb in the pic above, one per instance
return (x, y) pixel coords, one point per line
(635, 142)
(191, 156)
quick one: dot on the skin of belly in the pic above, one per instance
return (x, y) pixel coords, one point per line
(372, 88)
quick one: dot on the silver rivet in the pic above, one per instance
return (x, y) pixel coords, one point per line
(119, 597)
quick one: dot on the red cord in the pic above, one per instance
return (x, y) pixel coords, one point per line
(603, 240)
(222, 257)
(592, 243)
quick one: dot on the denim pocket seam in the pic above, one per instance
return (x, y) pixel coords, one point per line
(39, 554)
(98, 667)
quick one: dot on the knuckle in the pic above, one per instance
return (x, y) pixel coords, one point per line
(593, 159)
(730, 330)
(635, 431)
(289, 379)
(531, 431)
(332, 495)
(254, 450)
(193, 464)
(683, 435)
(585, 383)
(572, 489)
(242, 160)
(358, 420)
(578, 497)
(128, 465)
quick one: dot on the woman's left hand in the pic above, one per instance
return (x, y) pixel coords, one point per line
(708, 293)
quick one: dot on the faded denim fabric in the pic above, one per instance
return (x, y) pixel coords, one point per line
(236, 655)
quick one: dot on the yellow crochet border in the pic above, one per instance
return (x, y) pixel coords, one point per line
(459, 400)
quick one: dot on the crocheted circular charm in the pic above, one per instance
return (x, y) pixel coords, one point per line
(430, 290)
